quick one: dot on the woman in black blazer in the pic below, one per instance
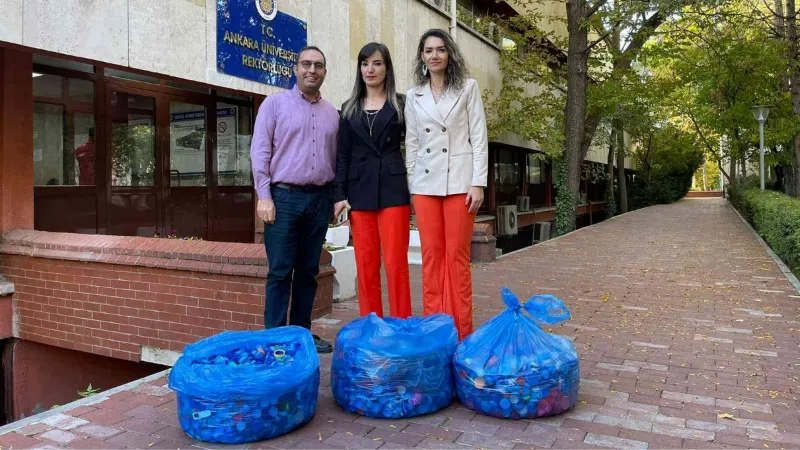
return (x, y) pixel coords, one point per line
(371, 179)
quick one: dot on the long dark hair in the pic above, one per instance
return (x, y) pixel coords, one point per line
(456, 73)
(353, 104)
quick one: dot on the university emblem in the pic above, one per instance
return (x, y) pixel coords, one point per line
(267, 9)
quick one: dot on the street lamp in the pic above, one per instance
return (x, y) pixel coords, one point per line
(761, 112)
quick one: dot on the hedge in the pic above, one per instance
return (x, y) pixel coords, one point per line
(776, 217)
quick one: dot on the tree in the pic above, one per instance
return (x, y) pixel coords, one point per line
(577, 68)
(779, 19)
(711, 65)
(667, 161)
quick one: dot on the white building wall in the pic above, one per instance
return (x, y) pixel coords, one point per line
(178, 37)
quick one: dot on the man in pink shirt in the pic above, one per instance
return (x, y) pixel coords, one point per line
(293, 155)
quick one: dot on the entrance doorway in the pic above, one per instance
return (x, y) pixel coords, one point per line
(157, 158)
(159, 147)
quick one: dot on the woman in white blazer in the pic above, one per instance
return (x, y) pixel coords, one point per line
(447, 162)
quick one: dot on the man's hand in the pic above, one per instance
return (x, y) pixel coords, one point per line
(265, 210)
(339, 207)
(474, 198)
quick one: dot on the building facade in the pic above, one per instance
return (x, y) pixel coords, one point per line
(134, 117)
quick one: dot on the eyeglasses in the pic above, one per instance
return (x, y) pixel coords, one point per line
(307, 65)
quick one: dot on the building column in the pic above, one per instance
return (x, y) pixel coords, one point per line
(16, 140)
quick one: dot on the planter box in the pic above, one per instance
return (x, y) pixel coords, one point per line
(414, 248)
(483, 247)
(345, 279)
(338, 236)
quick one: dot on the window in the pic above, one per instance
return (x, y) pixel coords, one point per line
(63, 63)
(133, 139)
(131, 76)
(534, 169)
(506, 168)
(234, 134)
(63, 131)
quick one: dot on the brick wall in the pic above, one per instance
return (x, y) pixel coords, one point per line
(111, 295)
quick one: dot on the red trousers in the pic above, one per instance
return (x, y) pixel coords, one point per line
(383, 231)
(445, 231)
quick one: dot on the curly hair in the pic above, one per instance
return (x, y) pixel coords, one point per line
(455, 74)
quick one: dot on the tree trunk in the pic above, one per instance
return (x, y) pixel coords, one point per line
(743, 162)
(794, 78)
(623, 185)
(575, 115)
(705, 181)
(611, 202)
(789, 179)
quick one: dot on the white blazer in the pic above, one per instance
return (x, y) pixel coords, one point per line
(447, 144)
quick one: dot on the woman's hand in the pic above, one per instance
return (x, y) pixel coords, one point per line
(339, 207)
(474, 199)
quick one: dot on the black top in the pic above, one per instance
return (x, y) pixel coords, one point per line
(370, 170)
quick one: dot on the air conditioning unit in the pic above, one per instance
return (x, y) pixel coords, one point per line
(541, 232)
(507, 220)
(523, 204)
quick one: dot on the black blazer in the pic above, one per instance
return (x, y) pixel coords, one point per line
(371, 171)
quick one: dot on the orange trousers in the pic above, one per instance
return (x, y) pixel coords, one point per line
(383, 231)
(445, 231)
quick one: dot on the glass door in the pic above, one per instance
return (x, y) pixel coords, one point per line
(178, 164)
(233, 196)
(134, 200)
(187, 177)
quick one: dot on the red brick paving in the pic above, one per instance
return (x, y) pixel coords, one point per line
(689, 337)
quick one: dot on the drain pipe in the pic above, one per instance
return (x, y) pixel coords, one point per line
(453, 19)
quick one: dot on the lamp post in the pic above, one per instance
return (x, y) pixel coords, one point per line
(761, 112)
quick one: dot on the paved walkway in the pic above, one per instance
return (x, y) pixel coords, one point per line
(689, 337)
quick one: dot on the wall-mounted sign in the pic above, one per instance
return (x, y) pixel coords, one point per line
(257, 42)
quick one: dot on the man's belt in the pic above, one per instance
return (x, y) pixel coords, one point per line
(306, 188)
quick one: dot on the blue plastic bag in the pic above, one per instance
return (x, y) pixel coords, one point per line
(511, 368)
(245, 386)
(394, 368)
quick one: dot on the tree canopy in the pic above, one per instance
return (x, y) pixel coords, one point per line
(679, 78)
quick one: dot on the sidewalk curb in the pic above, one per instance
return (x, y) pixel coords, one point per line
(781, 265)
(91, 400)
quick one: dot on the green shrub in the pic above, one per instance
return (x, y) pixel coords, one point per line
(776, 217)
(665, 170)
(663, 189)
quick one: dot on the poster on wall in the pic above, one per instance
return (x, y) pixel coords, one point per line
(257, 42)
(227, 161)
(188, 142)
(187, 150)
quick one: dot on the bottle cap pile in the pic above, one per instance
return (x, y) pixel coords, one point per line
(511, 368)
(394, 368)
(246, 386)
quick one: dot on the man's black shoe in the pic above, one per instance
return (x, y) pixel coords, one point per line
(322, 345)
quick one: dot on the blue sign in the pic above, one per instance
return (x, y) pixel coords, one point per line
(257, 42)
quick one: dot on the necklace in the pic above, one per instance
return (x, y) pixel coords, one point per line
(374, 116)
(437, 90)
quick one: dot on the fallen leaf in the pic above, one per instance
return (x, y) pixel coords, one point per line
(727, 416)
